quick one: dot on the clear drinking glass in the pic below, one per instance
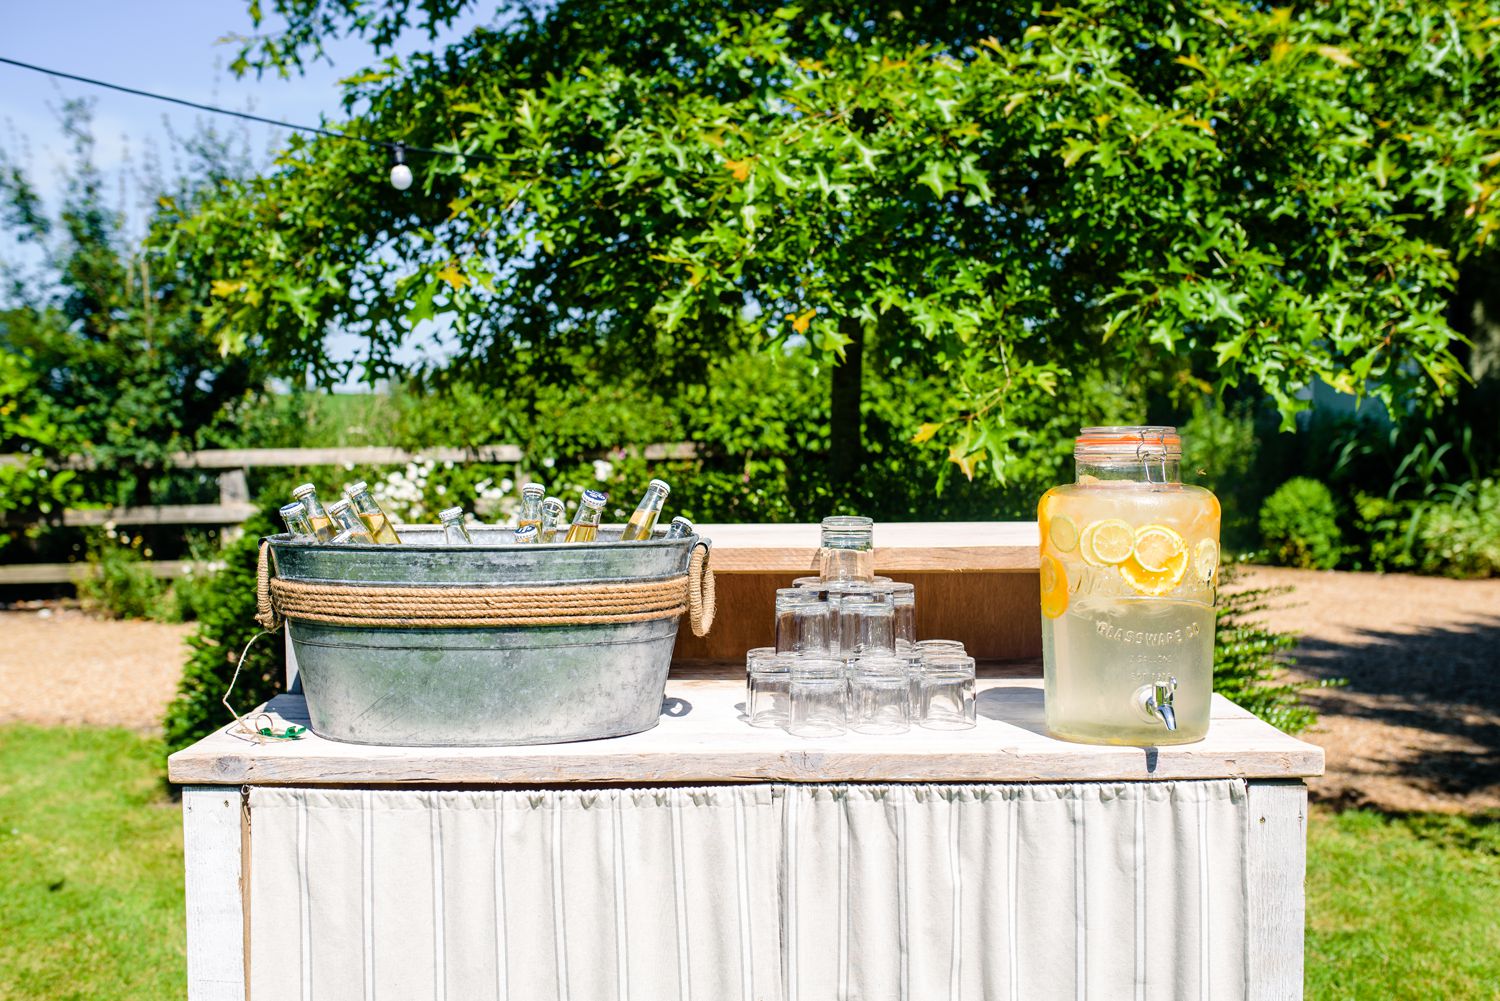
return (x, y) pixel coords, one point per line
(848, 549)
(904, 604)
(819, 698)
(866, 624)
(948, 693)
(879, 695)
(804, 622)
(767, 687)
(822, 585)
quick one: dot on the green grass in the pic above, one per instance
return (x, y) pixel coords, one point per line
(1403, 907)
(90, 868)
(91, 884)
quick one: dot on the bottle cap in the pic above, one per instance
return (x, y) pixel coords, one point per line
(533, 490)
(553, 501)
(525, 533)
(662, 484)
(593, 498)
(448, 514)
(294, 508)
(356, 488)
(304, 490)
(338, 507)
(685, 523)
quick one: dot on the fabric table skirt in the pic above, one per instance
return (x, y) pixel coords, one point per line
(765, 892)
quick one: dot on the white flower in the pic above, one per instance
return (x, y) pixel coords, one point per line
(549, 463)
(441, 490)
(602, 469)
(348, 467)
(506, 485)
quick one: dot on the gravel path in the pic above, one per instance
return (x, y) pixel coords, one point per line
(60, 666)
(1417, 727)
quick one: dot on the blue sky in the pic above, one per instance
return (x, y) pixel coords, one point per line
(168, 46)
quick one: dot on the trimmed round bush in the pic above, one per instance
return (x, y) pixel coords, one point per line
(1299, 525)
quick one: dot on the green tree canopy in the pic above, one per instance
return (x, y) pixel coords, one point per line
(1015, 198)
(101, 346)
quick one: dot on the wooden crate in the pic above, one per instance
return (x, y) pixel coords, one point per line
(976, 582)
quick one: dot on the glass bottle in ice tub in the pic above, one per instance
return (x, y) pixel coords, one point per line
(1129, 561)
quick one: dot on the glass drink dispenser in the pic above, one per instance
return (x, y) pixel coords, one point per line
(1129, 561)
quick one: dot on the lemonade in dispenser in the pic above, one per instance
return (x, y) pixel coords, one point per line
(1129, 561)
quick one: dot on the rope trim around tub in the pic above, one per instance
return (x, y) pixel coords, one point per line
(437, 607)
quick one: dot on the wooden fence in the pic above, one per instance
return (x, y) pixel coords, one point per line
(234, 504)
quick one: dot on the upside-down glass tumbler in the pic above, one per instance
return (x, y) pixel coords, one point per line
(819, 698)
(948, 693)
(879, 695)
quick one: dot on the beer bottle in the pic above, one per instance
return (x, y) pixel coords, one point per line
(526, 535)
(369, 512)
(585, 527)
(322, 526)
(531, 506)
(454, 532)
(646, 512)
(680, 528)
(295, 516)
(347, 524)
(553, 513)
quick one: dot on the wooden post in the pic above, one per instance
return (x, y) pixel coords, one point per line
(234, 488)
(1276, 868)
(212, 834)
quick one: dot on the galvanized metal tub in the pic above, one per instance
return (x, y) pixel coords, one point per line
(486, 686)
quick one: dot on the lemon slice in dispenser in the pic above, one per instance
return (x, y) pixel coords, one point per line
(1156, 547)
(1106, 543)
(1054, 587)
(1206, 559)
(1155, 583)
(1063, 533)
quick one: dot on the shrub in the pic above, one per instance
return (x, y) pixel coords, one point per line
(1248, 658)
(1388, 529)
(119, 584)
(1299, 525)
(1462, 539)
(226, 622)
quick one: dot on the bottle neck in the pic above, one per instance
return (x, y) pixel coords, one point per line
(587, 515)
(1154, 469)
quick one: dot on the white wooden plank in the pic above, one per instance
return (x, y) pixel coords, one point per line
(709, 742)
(215, 893)
(900, 547)
(64, 573)
(1276, 867)
(164, 514)
(359, 455)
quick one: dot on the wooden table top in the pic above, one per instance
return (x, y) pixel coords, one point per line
(704, 739)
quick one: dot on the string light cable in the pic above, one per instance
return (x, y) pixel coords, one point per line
(401, 177)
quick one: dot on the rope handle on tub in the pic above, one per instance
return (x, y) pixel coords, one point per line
(379, 605)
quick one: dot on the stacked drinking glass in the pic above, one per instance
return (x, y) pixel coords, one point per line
(846, 654)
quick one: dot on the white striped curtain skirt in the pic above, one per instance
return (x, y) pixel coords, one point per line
(751, 893)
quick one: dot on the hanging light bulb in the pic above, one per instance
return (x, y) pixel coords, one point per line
(400, 172)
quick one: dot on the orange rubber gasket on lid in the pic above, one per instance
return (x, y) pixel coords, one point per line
(1128, 439)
